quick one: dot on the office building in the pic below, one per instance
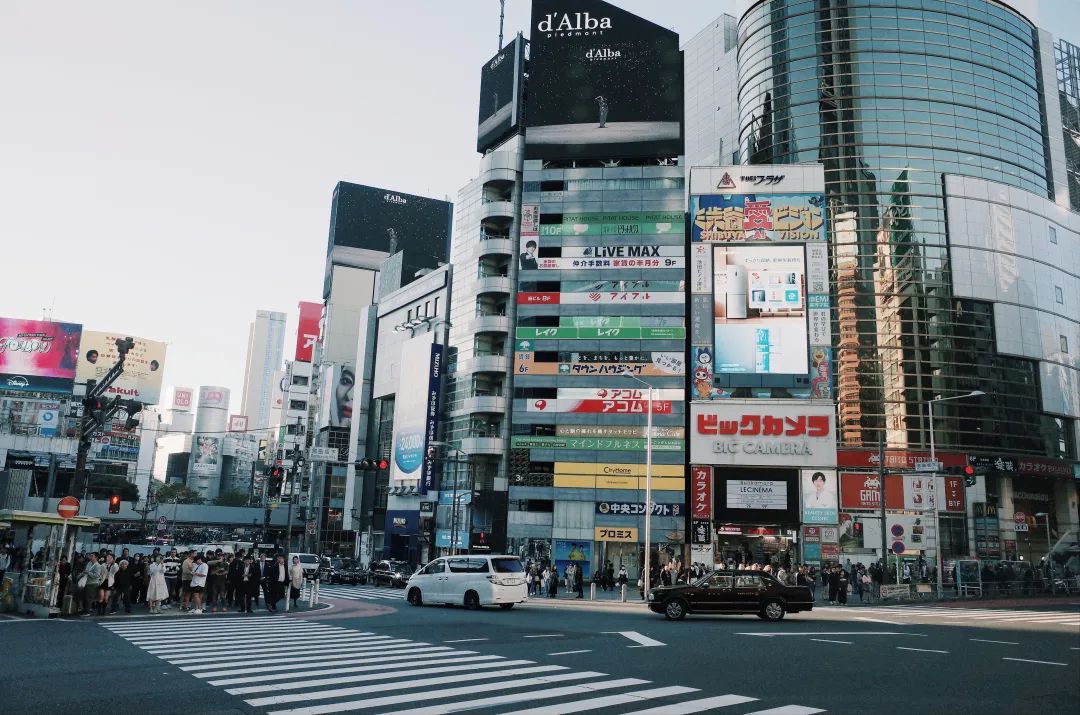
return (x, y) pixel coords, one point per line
(266, 341)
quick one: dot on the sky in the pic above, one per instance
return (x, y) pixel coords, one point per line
(166, 168)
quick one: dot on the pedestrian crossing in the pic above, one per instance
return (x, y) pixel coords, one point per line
(961, 615)
(358, 593)
(289, 666)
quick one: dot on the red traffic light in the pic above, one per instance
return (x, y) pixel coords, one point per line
(969, 471)
(114, 504)
(383, 464)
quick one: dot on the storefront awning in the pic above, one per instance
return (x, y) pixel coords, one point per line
(16, 517)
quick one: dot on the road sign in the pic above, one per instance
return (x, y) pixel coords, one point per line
(322, 454)
(311, 528)
(1020, 521)
(162, 523)
(934, 466)
(68, 507)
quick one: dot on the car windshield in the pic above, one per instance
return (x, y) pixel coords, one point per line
(399, 566)
(308, 559)
(507, 566)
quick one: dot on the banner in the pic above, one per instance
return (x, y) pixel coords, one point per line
(411, 408)
(637, 508)
(307, 331)
(701, 482)
(603, 444)
(38, 355)
(763, 217)
(206, 456)
(623, 250)
(602, 298)
(818, 496)
(144, 365)
(749, 432)
(616, 533)
(613, 407)
(567, 264)
(238, 423)
(663, 364)
(431, 434)
(619, 393)
(617, 431)
(571, 333)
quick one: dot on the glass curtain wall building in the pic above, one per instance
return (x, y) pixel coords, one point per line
(890, 97)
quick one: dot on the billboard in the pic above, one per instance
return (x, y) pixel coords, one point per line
(412, 413)
(602, 83)
(759, 310)
(337, 387)
(655, 364)
(38, 355)
(432, 411)
(238, 423)
(182, 397)
(759, 282)
(213, 397)
(594, 444)
(206, 456)
(819, 504)
(593, 327)
(367, 224)
(501, 89)
(741, 433)
(596, 297)
(143, 366)
(307, 331)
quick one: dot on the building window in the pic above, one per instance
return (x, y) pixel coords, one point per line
(408, 316)
(436, 306)
(427, 307)
(1059, 295)
(297, 405)
(1064, 344)
(1052, 231)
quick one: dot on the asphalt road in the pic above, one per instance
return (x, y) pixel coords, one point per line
(372, 653)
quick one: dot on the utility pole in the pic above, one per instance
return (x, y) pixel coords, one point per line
(884, 534)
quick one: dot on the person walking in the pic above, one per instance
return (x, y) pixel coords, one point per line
(296, 580)
(250, 577)
(624, 577)
(867, 587)
(157, 590)
(833, 582)
(215, 581)
(199, 572)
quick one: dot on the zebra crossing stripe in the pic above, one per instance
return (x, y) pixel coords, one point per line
(608, 701)
(464, 705)
(330, 660)
(380, 665)
(696, 706)
(495, 701)
(328, 652)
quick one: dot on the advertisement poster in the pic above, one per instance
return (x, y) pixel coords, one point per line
(656, 364)
(206, 456)
(432, 412)
(500, 95)
(38, 355)
(338, 383)
(623, 225)
(578, 553)
(411, 408)
(307, 331)
(598, 406)
(144, 365)
(238, 423)
(756, 494)
(811, 541)
(851, 533)
(754, 217)
(819, 504)
(760, 310)
(600, 444)
(602, 82)
(701, 483)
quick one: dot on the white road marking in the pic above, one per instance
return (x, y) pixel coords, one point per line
(696, 706)
(605, 701)
(641, 640)
(788, 710)
(546, 635)
(326, 661)
(570, 652)
(983, 640)
(826, 640)
(467, 640)
(832, 633)
(1039, 662)
(877, 620)
(921, 650)
(375, 665)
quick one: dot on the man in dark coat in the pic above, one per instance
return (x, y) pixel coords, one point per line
(250, 577)
(234, 580)
(277, 578)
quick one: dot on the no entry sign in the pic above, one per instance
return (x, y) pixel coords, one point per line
(68, 507)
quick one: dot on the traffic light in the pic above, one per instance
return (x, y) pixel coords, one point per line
(114, 504)
(123, 345)
(969, 472)
(374, 464)
(95, 407)
(857, 531)
(277, 479)
(132, 408)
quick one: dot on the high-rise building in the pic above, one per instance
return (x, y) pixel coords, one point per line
(266, 341)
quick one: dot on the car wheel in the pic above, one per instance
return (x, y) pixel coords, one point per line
(675, 609)
(472, 600)
(414, 597)
(772, 610)
(506, 606)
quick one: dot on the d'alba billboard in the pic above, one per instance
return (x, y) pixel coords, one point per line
(500, 95)
(38, 355)
(144, 365)
(602, 83)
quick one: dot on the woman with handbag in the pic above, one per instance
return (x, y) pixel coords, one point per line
(158, 590)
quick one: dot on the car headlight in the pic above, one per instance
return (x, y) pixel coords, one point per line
(652, 596)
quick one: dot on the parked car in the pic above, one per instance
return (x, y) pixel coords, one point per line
(308, 562)
(389, 572)
(731, 592)
(340, 571)
(471, 581)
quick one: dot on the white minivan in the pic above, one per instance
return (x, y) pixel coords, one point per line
(470, 580)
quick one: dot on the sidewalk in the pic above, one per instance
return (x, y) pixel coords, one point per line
(173, 613)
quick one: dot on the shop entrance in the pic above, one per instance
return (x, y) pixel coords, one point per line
(755, 545)
(619, 554)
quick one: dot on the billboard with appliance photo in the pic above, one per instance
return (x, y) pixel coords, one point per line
(144, 365)
(38, 355)
(500, 94)
(602, 83)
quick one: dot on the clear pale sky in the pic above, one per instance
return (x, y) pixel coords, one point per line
(166, 168)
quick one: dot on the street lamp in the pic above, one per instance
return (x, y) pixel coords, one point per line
(648, 480)
(1049, 557)
(454, 499)
(933, 460)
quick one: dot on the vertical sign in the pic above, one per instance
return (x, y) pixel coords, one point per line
(181, 401)
(701, 493)
(307, 331)
(431, 434)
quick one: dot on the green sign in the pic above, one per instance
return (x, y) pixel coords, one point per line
(601, 333)
(617, 224)
(628, 444)
(602, 321)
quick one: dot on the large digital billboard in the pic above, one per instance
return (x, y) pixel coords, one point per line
(143, 366)
(759, 293)
(38, 355)
(602, 83)
(500, 95)
(367, 224)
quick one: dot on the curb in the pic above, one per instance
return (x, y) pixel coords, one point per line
(574, 603)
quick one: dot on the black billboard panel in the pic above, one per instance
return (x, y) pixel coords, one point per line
(500, 95)
(602, 83)
(367, 224)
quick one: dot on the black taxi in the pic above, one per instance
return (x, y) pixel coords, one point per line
(732, 592)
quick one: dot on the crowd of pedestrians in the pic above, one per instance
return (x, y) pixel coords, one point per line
(101, 582)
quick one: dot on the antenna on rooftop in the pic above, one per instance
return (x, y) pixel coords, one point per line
(502, 15)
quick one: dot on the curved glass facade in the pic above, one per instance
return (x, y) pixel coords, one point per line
(890, 97)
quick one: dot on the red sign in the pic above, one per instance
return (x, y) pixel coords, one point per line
(68, 508)
(38, 354)
(537, 298)
(1042, 467)
(701, 492)
(610, 407)
(954, 494)
(307, 331)
(181, 398)
(1020, 517)
(868, 459)
(238, 423)
(863, 491)
(766, 425)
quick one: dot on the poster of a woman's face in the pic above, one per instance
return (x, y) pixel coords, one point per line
(342, 407)
(208, 451)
